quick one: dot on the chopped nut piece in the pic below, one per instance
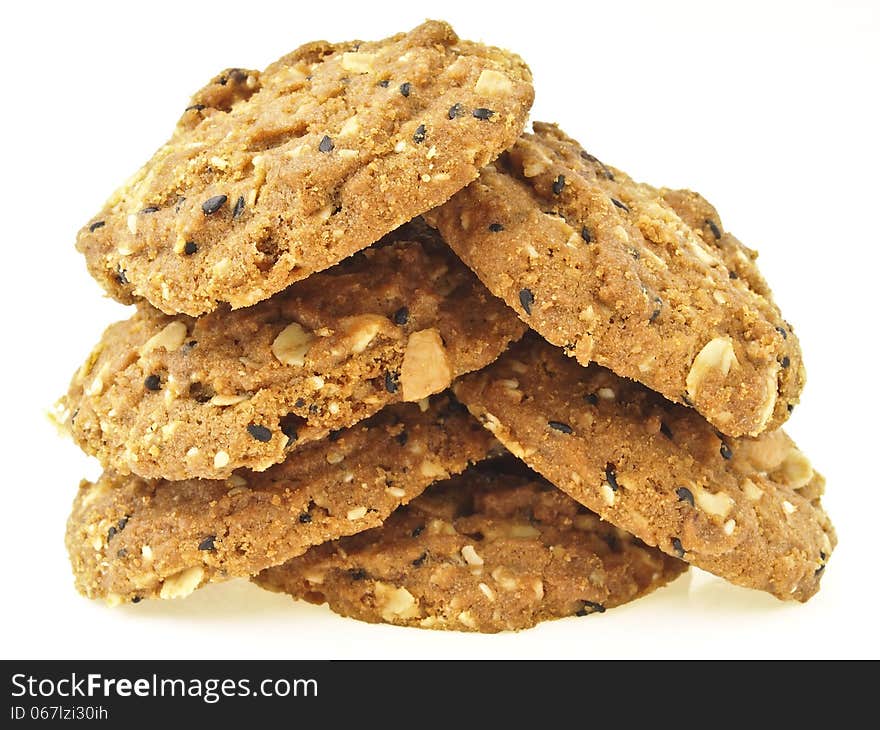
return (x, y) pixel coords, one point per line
(493, 83)
(171, 337)
(426, 368)
(396, 602)
(718, 504)
(292, 345)
(183, 583)
(718, 356)
(470, 555)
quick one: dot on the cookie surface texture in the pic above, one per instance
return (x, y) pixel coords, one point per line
(485, 552)
(643, 281)
(130, 538)
(271, 176)
(745, 509)
(176, 397)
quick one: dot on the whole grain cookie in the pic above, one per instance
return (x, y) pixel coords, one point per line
(271, 176)
(176, 397)
(129, 538)
(485, 551)
(745, 509)
(643, 281)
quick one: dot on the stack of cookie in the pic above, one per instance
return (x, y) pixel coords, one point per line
(394, 354)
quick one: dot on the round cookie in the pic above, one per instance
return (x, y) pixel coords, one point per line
(642, 281)
(271, 176)
(745, 509)
(485, 551)
(130, 539)
(176, 397)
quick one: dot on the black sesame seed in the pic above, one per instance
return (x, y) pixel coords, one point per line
(587, 156)
(152, 382)
(634, 252)
(420, 134)
(300, 402)
(121, 553)
(357, 573)
(455, 110)
(136, 599)
(180, 201)
(560, 426)
(725, 451)
(384, 83)
(589, 607)
(417, 530)
(401, 316)
(790, 407)
(822, 555)
(483, 113)
(335, 435)
(405, 88)
(527, 299)
(326, 144)
(392, 382)
(558, 184)
(592, 399)
(783, 332)
(120, 276)
(402, 438)
(714, 228)
(260, 433)
(95, 226)
(685, 495)
(819, 570)
(238, 209)
(208, 543)
(195, 107)
(733, 275)
(111, 533)
(611, 476)
(585, 234)
(213, 204)
(686, 400)
(622, 206)
(677, 547)
(786, 361)
(665, 430)
(305, 518)
(419, 560)
(658, 307)
(496, 227)
(123, 522)
(149, 209)
(190, 247)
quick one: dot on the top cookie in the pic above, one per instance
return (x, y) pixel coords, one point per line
(643, 281)
(271, 176)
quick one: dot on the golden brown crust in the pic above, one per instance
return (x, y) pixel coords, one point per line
(271, 176)
(129, 538)
(485, 551)
(644, 282)
(176, 397)
(745, 509)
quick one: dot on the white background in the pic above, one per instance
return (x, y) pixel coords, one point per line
(768, 108)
